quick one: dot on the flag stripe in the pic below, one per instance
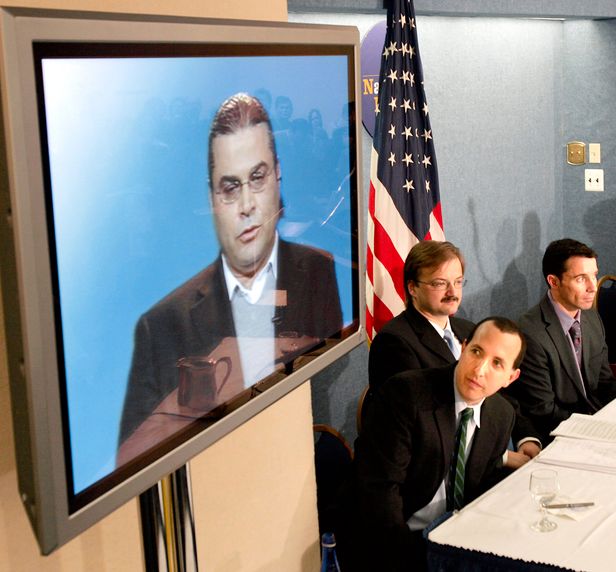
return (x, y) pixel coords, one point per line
(390, 261)
(383, 282)
(369, 264)
(382, 315)
(436, 226)
(370, 327)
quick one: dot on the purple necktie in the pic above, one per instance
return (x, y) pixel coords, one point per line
(576, 337)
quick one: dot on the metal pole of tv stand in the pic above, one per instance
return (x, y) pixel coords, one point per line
(167, 525)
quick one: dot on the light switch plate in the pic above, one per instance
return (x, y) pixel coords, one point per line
(594, 152)
(593, 179)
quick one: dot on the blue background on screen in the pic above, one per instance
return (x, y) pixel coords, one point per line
(127, 147)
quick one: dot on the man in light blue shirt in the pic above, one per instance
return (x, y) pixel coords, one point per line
(261, 292)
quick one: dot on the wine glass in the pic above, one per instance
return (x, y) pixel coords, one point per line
(543, 488)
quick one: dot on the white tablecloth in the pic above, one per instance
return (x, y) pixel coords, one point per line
(498, 522)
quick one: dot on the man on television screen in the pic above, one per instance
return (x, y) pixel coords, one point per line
(262, 301)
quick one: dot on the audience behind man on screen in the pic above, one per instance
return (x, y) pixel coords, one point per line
(283, 112)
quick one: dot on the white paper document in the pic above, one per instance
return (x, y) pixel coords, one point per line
(581, 426)
(582, 454)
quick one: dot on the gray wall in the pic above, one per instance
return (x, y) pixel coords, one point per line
(589, 93)
(520, 8)
(505, 96)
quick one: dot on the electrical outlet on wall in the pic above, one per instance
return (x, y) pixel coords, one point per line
(593, 179)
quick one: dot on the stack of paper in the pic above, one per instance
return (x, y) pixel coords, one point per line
(580, 454)
(583, 442)
(586, 427)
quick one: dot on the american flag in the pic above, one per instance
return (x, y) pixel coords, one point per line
(404, 205)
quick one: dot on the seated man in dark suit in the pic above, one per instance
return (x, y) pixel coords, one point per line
(416, 338)
(566, 367)
(427, 334)
(414, 436)
(261, 295)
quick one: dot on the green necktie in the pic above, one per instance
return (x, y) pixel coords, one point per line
(458, 488)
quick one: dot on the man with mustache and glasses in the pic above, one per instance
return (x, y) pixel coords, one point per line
(260, 294)
(566, 369)
(427, 335)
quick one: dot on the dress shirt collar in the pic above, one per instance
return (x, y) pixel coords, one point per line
(566, 321)
(254, 293)
(461, 405)
(441, 332)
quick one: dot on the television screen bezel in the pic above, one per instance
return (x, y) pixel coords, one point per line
(28, 299)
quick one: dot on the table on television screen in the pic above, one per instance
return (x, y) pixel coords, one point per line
(493, 532)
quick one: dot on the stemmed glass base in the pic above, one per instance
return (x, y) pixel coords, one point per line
(543, 488)
(544, 525)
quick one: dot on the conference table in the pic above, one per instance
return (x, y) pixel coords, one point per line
(493, 532)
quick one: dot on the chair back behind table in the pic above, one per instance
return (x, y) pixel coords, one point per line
(605, 304)
(332, 462)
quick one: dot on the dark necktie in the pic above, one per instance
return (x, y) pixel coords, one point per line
(576, 337)
(460, 460)
(448, 337)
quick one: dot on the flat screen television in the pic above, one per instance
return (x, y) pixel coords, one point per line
(181, 240)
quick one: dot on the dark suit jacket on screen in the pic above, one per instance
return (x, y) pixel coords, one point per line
(193, 320)
(404, 453)
(550, 389)
(409, 341)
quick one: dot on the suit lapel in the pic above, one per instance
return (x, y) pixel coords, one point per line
(427, 335)
(587, 351)
(211, 314)
(483, 443)
(444, 413)
(461, 335)
(561, 343)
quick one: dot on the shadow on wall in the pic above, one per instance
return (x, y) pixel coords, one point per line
(599, 222)
(521, 284)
